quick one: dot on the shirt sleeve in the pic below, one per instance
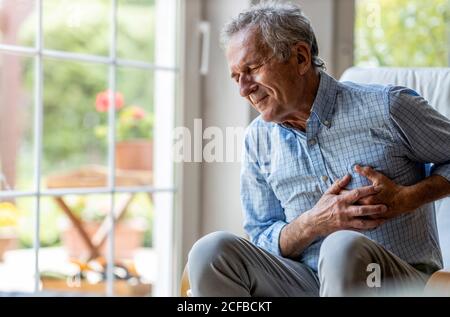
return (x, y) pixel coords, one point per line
(423, 130)
(263, 215)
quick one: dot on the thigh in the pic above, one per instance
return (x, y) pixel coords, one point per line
(397, 276)
(271, 275)
(351, 263)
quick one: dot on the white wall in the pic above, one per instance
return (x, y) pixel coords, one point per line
(188, 175)
(222, 107)
(332, 21)
(320, 12)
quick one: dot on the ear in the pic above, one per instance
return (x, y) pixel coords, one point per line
(302, 53)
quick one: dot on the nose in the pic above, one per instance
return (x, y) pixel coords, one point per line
(246, 85)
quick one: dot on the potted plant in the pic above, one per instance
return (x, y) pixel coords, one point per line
(134, 132)
(9, 217)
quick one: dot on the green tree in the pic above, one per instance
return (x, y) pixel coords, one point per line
(402, 33)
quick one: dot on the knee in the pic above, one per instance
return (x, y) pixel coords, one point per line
(343, 245)
(208, 249)
(343, 260)
(212, 245)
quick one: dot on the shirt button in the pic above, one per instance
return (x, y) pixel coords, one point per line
(324, 178)
(312, 142)
(327, 123)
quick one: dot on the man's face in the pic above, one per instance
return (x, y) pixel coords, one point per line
(272, 87)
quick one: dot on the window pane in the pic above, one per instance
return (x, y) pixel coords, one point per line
(81, 26)
(163, 242)
(66, 261)
(16, 245)
(402, 33)
(146, 31)
(135, 121)
(74, 138)
(16, 126)
(17, 22)
(135, 265)
(136, 29)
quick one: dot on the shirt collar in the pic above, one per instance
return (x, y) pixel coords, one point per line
(325, 100)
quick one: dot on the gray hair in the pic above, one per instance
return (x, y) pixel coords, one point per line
(280, 24)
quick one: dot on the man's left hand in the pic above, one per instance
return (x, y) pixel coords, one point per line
(392, 195)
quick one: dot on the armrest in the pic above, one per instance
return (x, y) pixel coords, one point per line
(185, 286)
(439, 284)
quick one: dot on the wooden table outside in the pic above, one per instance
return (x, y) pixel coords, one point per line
(96, 176)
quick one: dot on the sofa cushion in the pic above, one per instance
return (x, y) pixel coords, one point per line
(443, 222)
(431, 83)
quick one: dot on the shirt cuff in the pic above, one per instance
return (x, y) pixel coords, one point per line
(442, 170)
(273, 244)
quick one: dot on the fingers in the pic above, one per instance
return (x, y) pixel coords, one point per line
(358, 211)
(356, 194)
(369, 172)
(365, 224)
(339, 185)
(369, 200)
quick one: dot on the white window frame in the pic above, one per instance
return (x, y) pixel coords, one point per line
(164, 170)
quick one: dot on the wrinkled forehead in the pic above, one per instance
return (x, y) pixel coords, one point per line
(245, 46)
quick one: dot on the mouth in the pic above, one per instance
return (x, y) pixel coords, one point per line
(260, 100)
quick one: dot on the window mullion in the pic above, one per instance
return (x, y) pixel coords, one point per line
(38, 119)
(85, 58)
(112, 146)
(84, 191)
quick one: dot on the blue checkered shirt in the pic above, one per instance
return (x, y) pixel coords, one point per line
(285, 171)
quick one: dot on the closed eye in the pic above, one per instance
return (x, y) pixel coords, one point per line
(250, 70)
(253, 69)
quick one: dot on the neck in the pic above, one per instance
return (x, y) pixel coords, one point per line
(298, 119)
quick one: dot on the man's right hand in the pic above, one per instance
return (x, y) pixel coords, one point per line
(336, 211)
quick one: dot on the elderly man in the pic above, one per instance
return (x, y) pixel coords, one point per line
(333, 184)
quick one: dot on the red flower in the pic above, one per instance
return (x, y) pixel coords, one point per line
(102, 101)
(138, 113)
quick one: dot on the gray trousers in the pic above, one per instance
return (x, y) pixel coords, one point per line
(350, 264)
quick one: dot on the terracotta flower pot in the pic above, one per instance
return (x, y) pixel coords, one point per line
(134, 155)
(7, 242)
